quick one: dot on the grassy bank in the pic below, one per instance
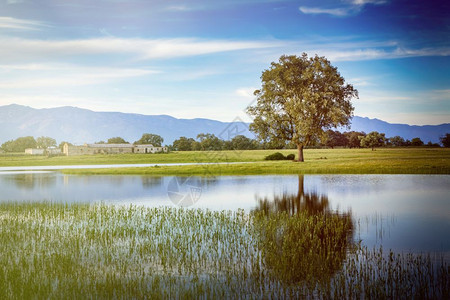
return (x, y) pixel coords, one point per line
(317, 161)
(52, 251)
(339, 161)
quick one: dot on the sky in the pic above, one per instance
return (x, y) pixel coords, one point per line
(204, 58)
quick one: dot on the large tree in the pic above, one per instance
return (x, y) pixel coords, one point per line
(299, 100)
(20, 144)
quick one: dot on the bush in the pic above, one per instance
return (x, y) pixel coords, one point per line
(290, 156)
(279, 156)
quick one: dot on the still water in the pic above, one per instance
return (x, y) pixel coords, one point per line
(400, 212)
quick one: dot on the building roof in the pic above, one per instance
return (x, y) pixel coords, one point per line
(110, 145)
(145, 146)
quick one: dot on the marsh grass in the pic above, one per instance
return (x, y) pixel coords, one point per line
(55, 251)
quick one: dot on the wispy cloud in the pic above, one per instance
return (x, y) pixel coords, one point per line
(139, 48)
(338, 12)
(20, 24)
(246, 92)
(346, 8)
(44, 76)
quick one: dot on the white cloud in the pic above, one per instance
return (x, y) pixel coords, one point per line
(364, 2)
(338, 12)
(246, 92)
(139, 48)
(20, 24)
(64, 75)
(352, 7)
(378, 53)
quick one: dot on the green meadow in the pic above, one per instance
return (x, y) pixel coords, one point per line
(56, 251)
(247, 162)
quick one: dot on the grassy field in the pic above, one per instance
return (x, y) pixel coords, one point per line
(54, 251)
(317, 161)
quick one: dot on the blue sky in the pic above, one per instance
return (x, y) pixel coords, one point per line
(203, 58)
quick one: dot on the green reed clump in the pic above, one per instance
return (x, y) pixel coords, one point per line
(303, 248)
(54, 251)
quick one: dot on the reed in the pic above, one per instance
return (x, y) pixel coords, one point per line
(54, 251)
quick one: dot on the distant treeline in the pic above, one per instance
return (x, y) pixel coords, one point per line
(210, 142)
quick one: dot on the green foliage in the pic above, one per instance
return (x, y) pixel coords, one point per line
(209, 142)
(241, 142)
(299, 99)
(184, 144)
(150, 138)
(279, 156)
(20, 144)
(45, 142)
(336, 139)
(116, 140)
(416, 142)
(290, 156)
(353, 138)
(397, 141)
(372, 140)
(275, 156)
(445, 140)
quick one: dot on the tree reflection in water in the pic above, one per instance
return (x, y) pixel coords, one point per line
(301, 239)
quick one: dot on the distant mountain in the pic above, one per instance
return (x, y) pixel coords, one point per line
(81, 126)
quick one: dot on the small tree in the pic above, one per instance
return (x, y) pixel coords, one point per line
(241, 142)
(300, 98)
(372, 140)
(353, 138)
(397, 141)
(445, 140)
(335, 139)
(150, 138)
(208, 141)
(183, 144)
(45, 142)
(416, 142)
(117, 140)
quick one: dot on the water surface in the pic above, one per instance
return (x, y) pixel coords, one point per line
(400, 212)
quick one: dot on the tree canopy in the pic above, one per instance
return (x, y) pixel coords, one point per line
(116, 140)
(150, 138)
(299, 100)
(20, 144)
(372, 140)
(45, 142)
(445, 140)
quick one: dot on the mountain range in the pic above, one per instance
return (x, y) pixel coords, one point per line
(79, 126)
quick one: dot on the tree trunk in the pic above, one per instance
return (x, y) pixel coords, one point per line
(300, 152)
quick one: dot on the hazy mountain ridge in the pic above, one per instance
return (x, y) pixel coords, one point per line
(80, 126)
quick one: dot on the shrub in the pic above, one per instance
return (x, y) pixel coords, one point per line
(290, 156)
(275, 156)
(279, 156)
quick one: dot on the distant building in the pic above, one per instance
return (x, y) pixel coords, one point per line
(90, 149)
(32, 151)
(40, 151)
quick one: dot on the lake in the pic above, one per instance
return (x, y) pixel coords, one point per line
(400, 212)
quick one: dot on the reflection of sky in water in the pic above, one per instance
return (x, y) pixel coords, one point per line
(403, 212)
